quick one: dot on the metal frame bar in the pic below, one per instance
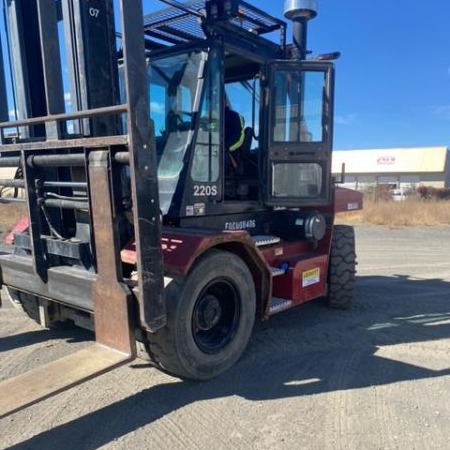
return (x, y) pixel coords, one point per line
(17, 63)
(112, 298)
(141, 155)
(4, 114)
(13, 183)
(110, 141)
(35, 229)
(27, 63)
(143, 169)
(106, 110)
(51, 61)
(75, 60)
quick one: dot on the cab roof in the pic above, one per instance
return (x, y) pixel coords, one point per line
(173, 26)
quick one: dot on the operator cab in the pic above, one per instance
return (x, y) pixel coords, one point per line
(188, 94)
(284, 159)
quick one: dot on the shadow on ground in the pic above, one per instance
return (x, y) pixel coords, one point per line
(302, 352)
(69, 333)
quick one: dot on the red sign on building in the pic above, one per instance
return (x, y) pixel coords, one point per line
(385, 160)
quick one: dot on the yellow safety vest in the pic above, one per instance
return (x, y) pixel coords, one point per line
(240, 141)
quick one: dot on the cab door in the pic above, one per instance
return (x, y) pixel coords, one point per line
(299, 133)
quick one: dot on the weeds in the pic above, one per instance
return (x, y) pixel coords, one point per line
(411, 212)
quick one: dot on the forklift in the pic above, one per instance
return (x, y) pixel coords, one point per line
(143, 224)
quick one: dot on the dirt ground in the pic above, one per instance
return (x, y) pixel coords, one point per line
(374, 377)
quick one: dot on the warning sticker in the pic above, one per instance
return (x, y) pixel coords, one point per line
(199, 209)
(310, 277)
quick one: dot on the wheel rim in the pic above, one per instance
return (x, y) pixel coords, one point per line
(216, 314)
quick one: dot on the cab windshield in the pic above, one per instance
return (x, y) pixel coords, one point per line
(173, 93)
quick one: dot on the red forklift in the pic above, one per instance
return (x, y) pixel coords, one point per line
(142, 224)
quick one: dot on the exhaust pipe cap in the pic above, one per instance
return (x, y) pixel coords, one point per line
(300, 9)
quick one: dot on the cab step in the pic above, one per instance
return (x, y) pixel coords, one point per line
(263, 240)
(279, 304)
(43, 382)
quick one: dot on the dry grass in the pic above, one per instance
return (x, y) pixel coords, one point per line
(10, 214)
(411, 212)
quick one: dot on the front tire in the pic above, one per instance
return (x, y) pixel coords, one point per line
(210, 316)
(342, 267)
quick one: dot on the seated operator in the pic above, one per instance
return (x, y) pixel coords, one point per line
(234, 134)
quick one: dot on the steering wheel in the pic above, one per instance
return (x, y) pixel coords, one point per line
(209, 124)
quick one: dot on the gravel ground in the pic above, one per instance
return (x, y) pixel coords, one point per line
(374, 377)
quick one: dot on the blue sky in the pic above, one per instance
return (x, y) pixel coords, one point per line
(393, 78)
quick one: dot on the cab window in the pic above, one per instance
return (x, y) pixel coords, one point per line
(299, 106)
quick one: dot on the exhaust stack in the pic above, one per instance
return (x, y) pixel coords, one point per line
(300, 12)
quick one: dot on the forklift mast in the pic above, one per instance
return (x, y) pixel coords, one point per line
(72, 159)
(57, 146)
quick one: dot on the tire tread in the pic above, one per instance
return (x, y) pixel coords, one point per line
(163, 348)
(342, 267)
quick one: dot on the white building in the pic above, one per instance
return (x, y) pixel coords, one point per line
(403, 167)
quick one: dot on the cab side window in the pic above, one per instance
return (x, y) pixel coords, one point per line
(206, 160)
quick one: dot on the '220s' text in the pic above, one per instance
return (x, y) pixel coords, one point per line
(205, 190)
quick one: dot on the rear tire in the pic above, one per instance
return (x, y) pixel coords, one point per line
(210, 316)
(28, 303)
(342, 268)
(45, 313)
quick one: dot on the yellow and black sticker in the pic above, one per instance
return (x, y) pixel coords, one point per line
(310, 277)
